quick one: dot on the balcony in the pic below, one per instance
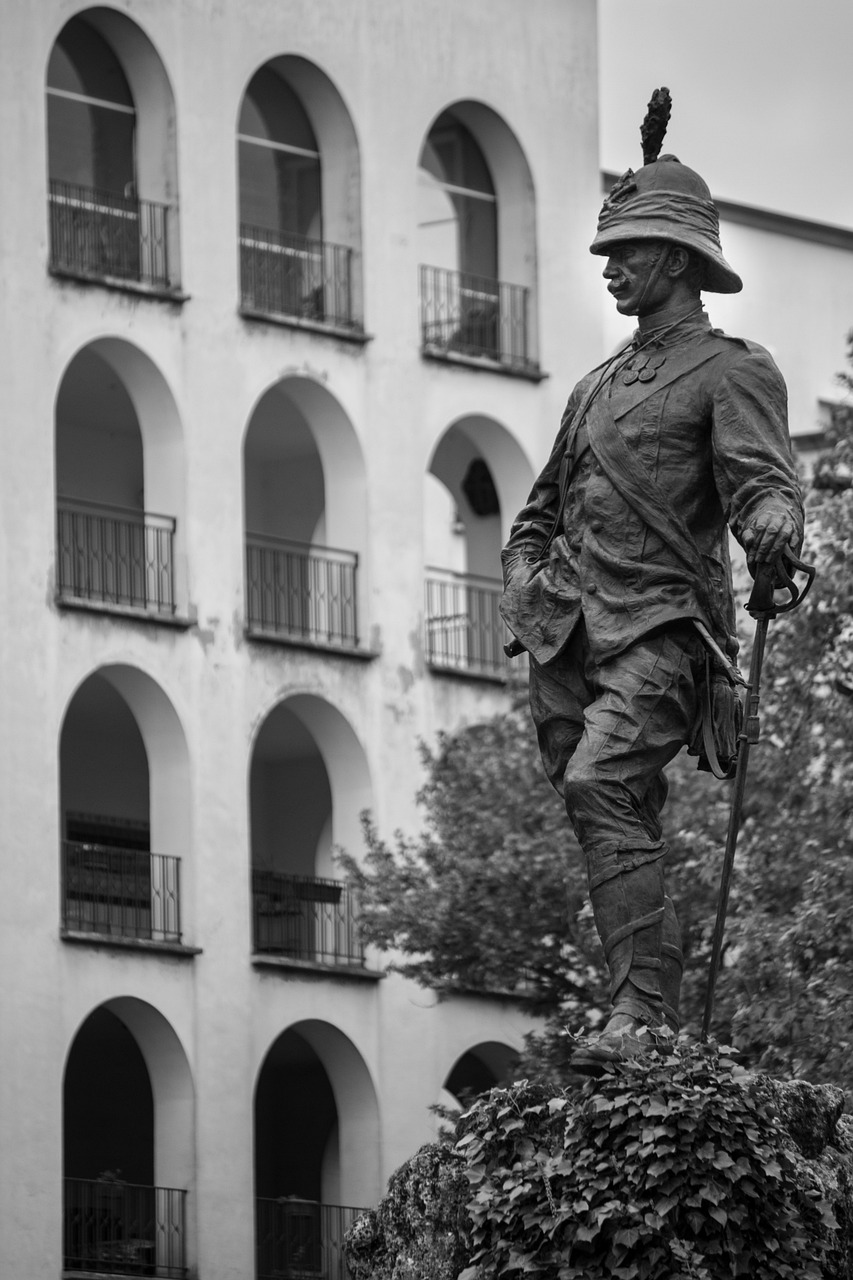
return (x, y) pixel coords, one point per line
(464, 629)
(472, 317)
(123, 893)
(98, 235)
(305, 919)
(301, 1239)
(301, 593)
(284, 276)
(112, 556)
(114, 1227)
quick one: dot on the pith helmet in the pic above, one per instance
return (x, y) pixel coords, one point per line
(664, 200)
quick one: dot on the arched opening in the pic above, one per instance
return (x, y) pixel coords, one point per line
(476, 233)
(111, 154)
(481, 1068)
(298, 173)
(127, 1144)
(305, 514)
(123, 810)
(308, 784)
(316, 1148)
(478, 477)
(119, 483)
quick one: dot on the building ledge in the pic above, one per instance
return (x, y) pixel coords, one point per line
(310, 646)
(179, 622)
(313, 967)
(468, 673)
(344, 333)
(129, 944)
(527, 373)
(137, 287)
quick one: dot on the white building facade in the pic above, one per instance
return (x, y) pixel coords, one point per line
(293, 296)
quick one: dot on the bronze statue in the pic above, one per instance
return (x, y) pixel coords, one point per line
(617, 574)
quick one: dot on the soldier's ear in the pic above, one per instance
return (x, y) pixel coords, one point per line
(678, 261)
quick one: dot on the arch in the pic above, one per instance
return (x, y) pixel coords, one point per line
(480, 1068)
(308, 785)
(307, 727)
(477, 478)
(468, 439)
(119, 441)
(349, 1171)
(153, 1138)
(305, 484)
(292, 108)
(154, 149)
(125, 785)
(504, 176)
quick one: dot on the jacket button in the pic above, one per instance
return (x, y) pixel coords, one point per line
(576, 546)
(595, 526)
(591, 588)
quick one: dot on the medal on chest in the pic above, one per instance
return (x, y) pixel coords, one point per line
(642, 368)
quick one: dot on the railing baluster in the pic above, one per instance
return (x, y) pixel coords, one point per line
(474, 316)
(301, 1237)
(103, 235)
(305, 918)
(464, 629)
(301, 592)
(125, 892)
(115, 557)
(124, 1229)
(282, 274)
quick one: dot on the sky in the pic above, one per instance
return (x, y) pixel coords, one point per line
(762, 96)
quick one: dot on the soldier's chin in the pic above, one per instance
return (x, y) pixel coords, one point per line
(626, 306)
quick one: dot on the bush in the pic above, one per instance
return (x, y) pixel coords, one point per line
(670, 1169)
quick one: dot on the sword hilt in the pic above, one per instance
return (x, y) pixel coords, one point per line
(775, 577)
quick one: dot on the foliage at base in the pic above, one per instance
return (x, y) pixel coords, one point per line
(680, 1166)
(669, 1169)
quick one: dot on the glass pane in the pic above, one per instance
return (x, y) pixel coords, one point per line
(82, 62)
(91, 146)
(280, 191)
(452, 155)
(272, 111)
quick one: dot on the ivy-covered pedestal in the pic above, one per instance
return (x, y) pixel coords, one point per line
(680, 1166)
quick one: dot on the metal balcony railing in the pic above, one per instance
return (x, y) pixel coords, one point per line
(122, 892)
(288, 275)
(122, 1229)
(114, 556)
(473, 316)
(305, 919)
(301, 1239)
(301, 592)
(464, 628)
(101, 235)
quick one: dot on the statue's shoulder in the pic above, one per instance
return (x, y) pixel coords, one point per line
(735, 346)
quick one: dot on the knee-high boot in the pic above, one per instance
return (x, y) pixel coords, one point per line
(629, 906)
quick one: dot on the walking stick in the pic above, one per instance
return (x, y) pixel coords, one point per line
(762, 606)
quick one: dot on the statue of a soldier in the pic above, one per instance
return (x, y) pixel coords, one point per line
(617, 573)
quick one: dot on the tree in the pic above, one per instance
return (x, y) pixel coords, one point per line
(490, 896)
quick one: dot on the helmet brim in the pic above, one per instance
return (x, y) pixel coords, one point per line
(719, 276)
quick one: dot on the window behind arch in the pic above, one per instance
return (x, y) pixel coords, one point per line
(91, 118)
(280, 188)
(458, 209)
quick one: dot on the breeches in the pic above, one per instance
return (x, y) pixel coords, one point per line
(607, 732)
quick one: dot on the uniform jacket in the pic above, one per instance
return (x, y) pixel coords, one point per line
(714, 439)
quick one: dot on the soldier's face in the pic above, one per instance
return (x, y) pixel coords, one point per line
(632, 279)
